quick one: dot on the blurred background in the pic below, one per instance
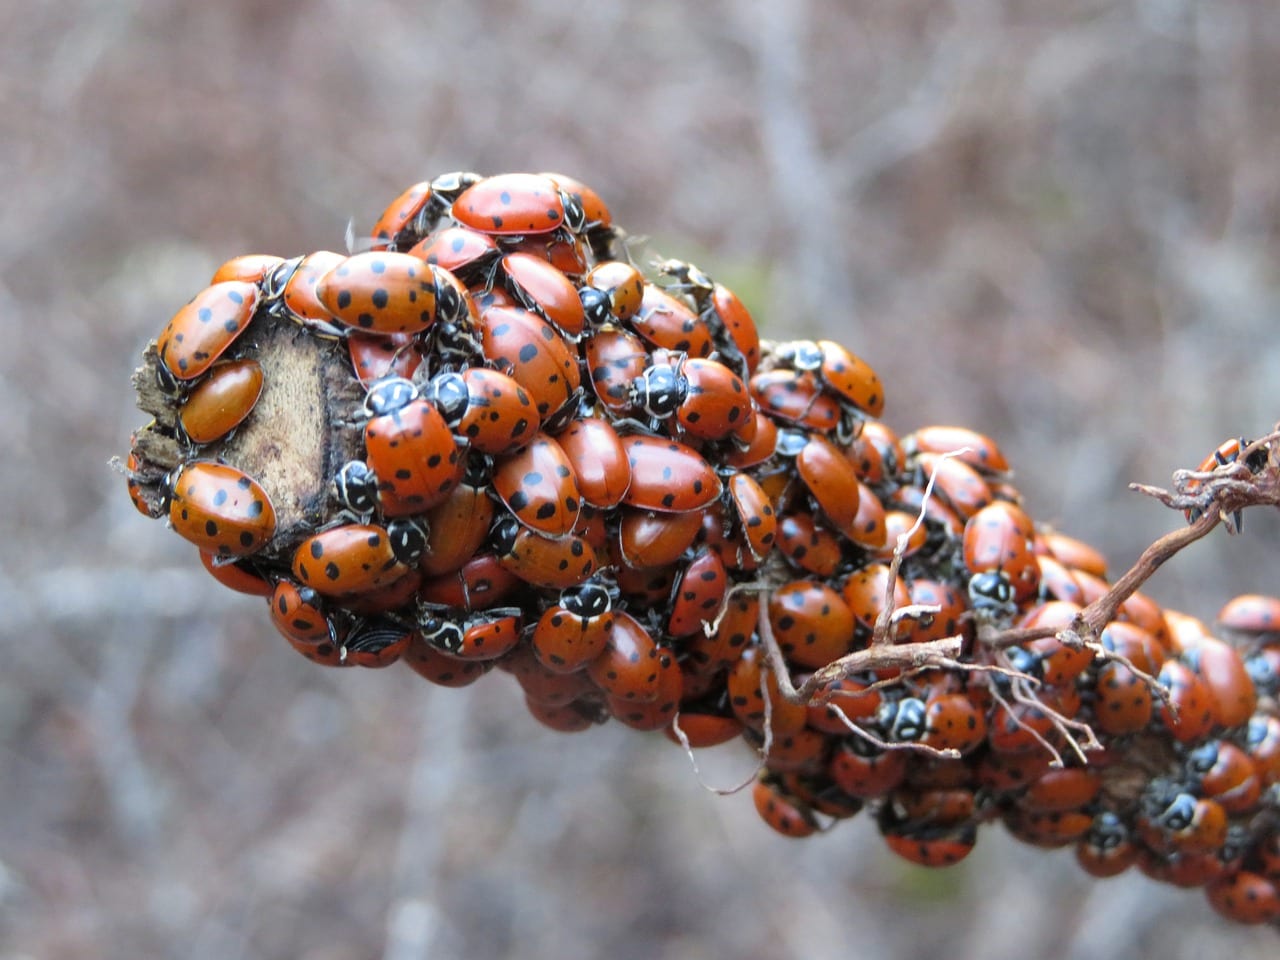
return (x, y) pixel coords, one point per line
(1055, 223)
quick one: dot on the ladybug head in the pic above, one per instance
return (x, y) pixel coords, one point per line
(388, 395)
(448, 393)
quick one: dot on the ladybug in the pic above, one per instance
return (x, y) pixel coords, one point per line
(1188, 714)
(699, 595)
(1261, 738)
(657, 712)
(1224, 772)
(221, 401)
(753, 514)
(1074, 554)
(380, 292)
(899, 525)
(488, 409)
(866, 771)
(437, 667)
(538, 286)
(236, 576)
(572, 717)
(595, 215)
(785, 814)
(842, 701)
(628, 668)
(950, 619)
(845, 375)
(410, 449)
(614, 360)
(967, 446)
(997, 542)
(385, 599)
(481, 583)
(1048, 830)
(598, 459)
(511, 204)
(1233, 697)
(222, 510)
(623, 288)
(811, 622)
(956, 483)
(546, 686)
(666, 322)
(574, 631)
(1056, 581)
(538, 486)
(1136, 643)
(459, 526)
(903, 721)
(205, 327)
(700, 730)
(394, 225)
(482, 636)
(952, 722)
(796, 398)
(467, 254)
(1227, 452)
(732, 632)
(706, 398)
(1175, 821)
(748, 683)
(290, 291)
(142, 502)
(1106, 849)
(807, 544)
(298, 613)
(347, 559)
(374, 357)
(355, 488)
(1251, 614)
(409, 538)
(540, 560)
(739, 330)
(864, 592)
(1061, 790)
(929, 846)
(1245, 897)
(830, 479)
(251, 268)
(668, 476)
(528, 349)
(378, 643)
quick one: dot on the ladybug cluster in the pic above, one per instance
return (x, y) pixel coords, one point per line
(540, 458)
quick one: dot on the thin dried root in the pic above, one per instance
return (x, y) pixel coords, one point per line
(697, 771)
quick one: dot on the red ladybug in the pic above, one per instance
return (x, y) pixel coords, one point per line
(221, 401)
(411, 449)
(396, 220)
(574, 631)
(380, 292)
(220, 509)
(488, 409)
(528, 349)
(628, 668)
(201, 331)
(540, 560)
(538, 485)
(511, 204)
(668, 476)
(347, 559)
(538, 286)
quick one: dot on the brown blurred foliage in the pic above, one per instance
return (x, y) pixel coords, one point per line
(1054, 222)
